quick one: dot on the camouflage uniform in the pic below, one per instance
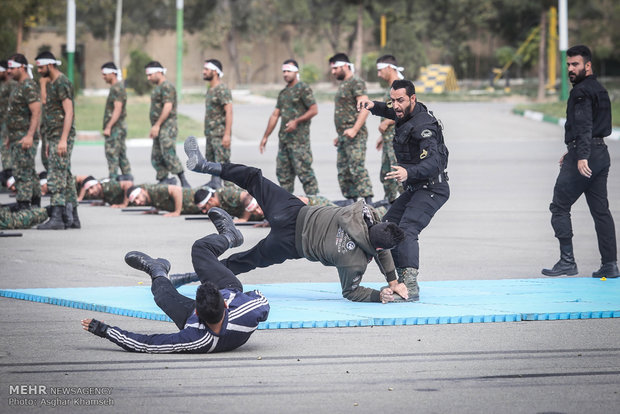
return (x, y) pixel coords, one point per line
(294, 151)
(115, 148)
(60, 182)
(18, 123)
(230, 201)
(391, 188)
(161, 200)
(44, 157)
(317, 200)
(5, 152)
(23, 219)
(352, 173)
(112, 192)
(164, 154)
(215, 123)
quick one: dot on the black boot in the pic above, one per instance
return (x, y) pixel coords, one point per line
(154, 267)
(196, 162)
(608, 270)
(180, 279)
(566, 265)
(184, 182)
(215, 183)
(368, 199)
(76, 220)
(55, 222)
(67, 215)
(35, 202)
(23, 205)
(225, 226)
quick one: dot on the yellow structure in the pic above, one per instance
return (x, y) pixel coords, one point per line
(436, 79)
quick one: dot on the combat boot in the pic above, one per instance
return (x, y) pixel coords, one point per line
(184, 182)
(196, 162)
(67, 215)
(566, 265)
(608, 270)
(408, 276)
(180, 279)
(153, 267)
(215, 183)
(55, 222)
(23, 205)
(36, 201)
(76, 220)
(225, 226)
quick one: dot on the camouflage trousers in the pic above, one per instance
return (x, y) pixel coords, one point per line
(26, 178)
(353, 176)
(23, 219)
(116, 151)
(391, 188)
(5, 150)
(295, 160)
(317, 200)
(44, 157)
(215, 151)
(60, 182)
(164, 153)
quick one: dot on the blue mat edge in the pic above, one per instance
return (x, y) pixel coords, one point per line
(435, 320)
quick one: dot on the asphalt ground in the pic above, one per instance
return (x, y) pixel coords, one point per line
(495, 226)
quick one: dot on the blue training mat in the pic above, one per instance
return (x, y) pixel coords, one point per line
(321, 305)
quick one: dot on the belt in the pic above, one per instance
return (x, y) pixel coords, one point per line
(443, 177)
(594, 141)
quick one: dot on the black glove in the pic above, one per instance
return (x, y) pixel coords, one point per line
(98, 328)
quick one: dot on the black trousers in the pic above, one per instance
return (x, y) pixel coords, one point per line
(205, 254)
(570, 185)
(281, 209)
(413, 211)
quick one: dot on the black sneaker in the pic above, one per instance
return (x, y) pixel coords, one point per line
(225, 226)
(141, 261)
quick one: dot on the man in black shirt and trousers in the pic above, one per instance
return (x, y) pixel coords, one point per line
(584, 168)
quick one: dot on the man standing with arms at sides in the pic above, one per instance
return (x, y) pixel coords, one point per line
(218, 116)
(296, 106)
(388, 70)
(60, 134)
(584, 168)
(164, 131)
(352, 133)
(114, 126)
(23, 117)
(6, 86)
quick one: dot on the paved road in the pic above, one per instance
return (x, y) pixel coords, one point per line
(496, 225)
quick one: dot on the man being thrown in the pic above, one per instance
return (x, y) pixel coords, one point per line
(345, 237)
(222, 317)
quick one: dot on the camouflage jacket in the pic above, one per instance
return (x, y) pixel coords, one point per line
(18, 114)
(292, 103)
(112, 191)
(5, 91)
(161, 199)
(117, 94)
(230, 201)
(215, 116)
(161, 95)
(57, 92)
(345, 111)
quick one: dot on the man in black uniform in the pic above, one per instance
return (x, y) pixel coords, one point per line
(422, 159)
(584, 168)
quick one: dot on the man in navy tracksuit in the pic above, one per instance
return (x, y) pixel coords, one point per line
(221, 318)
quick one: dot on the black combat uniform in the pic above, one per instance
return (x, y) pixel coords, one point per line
(420, 149)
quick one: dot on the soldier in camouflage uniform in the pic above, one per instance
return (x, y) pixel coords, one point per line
(163, 115)
(173, 198)
(23, 116)
(388, 69)
(114, 125)
(108, 191)
(6, 86)
(60, 134)
(352, 133)
(218, 116)
(296, 106)
(23, 219)
(233, 199)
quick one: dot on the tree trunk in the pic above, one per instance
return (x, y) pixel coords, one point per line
(231, 44)
(117, 34)
(20, 35)
(541, 56)
(359, 46)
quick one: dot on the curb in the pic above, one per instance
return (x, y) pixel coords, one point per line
(539, 116)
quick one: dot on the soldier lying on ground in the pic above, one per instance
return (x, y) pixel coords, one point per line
(172, 198)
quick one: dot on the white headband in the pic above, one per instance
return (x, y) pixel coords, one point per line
(47, 61)
(210, 65)
(43, 181)
(2, 69)
(90, 183)
(107, 71)
(151, 70)
(10, 182)
(290, 67)
(14, 65)
(339, 63)
(398, 69)
(206, 199)
(252, 206)
(135, 193)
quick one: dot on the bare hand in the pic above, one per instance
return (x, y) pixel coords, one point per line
(379, 144)
(386, 295)
(365, 104)
(335, 142)
(226, 141)
(172, 214)
(85, 323)
(263, 143)
(291, 126)
(400, 289)
(350, 133)
(584, 169)
(62, 148)
(562, 159)
(154, 131)
(107, 131)
(398, 173)
(26, 141)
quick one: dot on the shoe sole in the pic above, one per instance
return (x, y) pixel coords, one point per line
(190, 145)
(218, 211)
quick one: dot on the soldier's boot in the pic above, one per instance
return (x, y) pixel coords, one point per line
(215, 183)
(55, 221)
(153, 267)
(408, 276)
(168, 181)
(196, 162)
(608, 270)
(67, 215)
(225, 226)
(566, 265)
(76, 219)
(368, 199)
(36, 201)
(23, 205)
(184, 182)
(180, 279)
